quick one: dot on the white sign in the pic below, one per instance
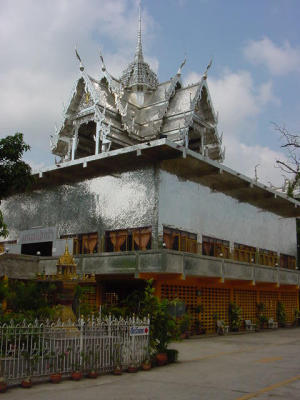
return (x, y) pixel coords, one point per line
(139, 331)
(38, 235)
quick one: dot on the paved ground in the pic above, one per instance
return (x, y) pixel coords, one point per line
(258, 365)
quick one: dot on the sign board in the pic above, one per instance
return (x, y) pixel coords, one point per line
(139, 331)
(38, 235)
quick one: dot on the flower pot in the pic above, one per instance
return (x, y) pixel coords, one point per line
(93, 374)
(26, 383)
(3, 387)
(76, 375)
(161, 359)
(132, 369)
(55, 378)
(117, 371)
(146, 366)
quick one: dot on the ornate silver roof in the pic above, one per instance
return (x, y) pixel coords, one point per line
(139, 74)
(108, 113)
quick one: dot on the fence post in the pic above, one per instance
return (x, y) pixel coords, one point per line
(81, 325)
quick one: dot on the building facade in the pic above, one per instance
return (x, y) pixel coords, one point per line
(139, 191)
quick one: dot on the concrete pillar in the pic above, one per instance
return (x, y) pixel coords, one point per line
(74, 142)
(97, 138)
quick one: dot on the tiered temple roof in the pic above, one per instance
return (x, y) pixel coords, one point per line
(109, 113)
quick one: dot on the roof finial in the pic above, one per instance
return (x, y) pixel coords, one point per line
(207, 68)
(81, 67)
(181, 66)
(139, 50)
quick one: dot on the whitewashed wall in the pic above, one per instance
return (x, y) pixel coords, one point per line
(192, 207)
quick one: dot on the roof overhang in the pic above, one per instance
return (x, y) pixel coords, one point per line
(177, 160)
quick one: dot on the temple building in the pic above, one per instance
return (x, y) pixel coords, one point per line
(139, 190)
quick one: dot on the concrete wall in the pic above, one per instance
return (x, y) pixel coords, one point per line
(189, 206)
(103, 203)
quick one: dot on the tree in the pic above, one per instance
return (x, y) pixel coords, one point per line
(291, 143)
(15, 174)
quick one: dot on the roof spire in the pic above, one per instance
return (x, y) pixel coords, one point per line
(139, 50)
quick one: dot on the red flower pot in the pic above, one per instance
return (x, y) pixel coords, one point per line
(55, 378)
(161, 359)
(26, 383)
(132, 369)
(3, 387)
(117, 371)
(146, 366)
(93, 374)
(76, 375)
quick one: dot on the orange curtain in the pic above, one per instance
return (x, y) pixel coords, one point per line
(207, 248)
(118, 239)
(141, 238)
(92, 243)
(169, 240)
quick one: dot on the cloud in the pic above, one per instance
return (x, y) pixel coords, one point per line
(38, 66)
(237, 98)
(239, 101)
(280, 60)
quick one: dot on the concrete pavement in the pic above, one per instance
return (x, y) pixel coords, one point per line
(235, 367)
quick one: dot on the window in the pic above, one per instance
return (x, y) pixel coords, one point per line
(215, 247)
(287, 261)
(268, 257)
(176, 239)
(244, 253)
(84, 243)
(128, 239)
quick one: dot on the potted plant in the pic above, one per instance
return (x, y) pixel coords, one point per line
(77, 370)
(235, 317)
(172, 355)
(3, 384)
(90, 361)
(297, 316)
(163, 329)
(132, 367)
(31, 360)
(262, 321)
(185, 326)
(281, 314)
(117, 360)
(200, 330)
(56, 366)
(146, 364)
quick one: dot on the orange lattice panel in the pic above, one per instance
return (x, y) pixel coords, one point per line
(270, 300)
(246, 299)
(215, 301)
(289, 299)
(187, 294)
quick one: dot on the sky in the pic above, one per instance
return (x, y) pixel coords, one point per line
(254, 79)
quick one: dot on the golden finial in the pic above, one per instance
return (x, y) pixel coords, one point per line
(66, 258)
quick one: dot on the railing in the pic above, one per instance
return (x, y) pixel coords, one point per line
(39, 349)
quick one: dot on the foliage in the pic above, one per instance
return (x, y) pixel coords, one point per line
(185, 323)
(235, 316)
(281, 314)
(28, 300)
(3, 290)
(15, 174)
(172, 355)
(262, 320)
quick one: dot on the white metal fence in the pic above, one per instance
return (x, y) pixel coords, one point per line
(41, 348)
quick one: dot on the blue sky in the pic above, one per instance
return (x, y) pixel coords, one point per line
(254, 79)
